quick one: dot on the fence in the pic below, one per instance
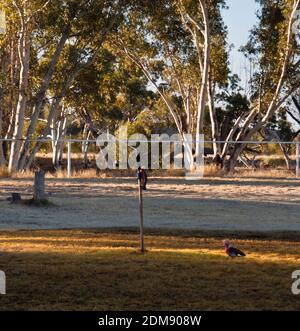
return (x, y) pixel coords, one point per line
(69, 142)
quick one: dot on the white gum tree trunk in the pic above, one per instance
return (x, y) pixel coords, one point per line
(58, 131)
(2, 158)
(40, 99)
(24, 59)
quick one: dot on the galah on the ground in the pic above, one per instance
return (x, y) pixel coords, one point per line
(232, 251)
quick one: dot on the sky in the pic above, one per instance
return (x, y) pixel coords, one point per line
(239, 18)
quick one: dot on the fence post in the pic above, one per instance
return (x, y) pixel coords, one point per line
(297, 158)
(39, 186)
(69, 159)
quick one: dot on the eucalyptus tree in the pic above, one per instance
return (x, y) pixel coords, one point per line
(111, 91)
(3, 82)
(180, 47)
(56, 41)
(274, 48)
(209, 35)
(8, 79)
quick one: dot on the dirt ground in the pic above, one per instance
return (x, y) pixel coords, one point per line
(228, 204)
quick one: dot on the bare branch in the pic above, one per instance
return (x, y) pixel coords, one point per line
(147, 73)
(191, 18)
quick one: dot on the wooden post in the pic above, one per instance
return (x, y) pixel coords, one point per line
(297, 158)
(39, 186)
(69, 159)
(141, 216)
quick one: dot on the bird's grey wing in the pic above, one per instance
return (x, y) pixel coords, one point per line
(238, 252)
(232, 252)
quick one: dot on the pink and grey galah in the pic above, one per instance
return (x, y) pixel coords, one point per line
(232, 251)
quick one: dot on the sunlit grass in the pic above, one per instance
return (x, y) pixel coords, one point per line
(82, 270)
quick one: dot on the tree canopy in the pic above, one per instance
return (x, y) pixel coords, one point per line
(104, 63)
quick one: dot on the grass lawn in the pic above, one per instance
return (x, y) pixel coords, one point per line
(103, 270)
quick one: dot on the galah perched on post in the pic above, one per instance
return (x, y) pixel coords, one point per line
(232, 251)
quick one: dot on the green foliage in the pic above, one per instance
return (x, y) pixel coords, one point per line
(266, 48)
(110, 91)
(156, 120)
